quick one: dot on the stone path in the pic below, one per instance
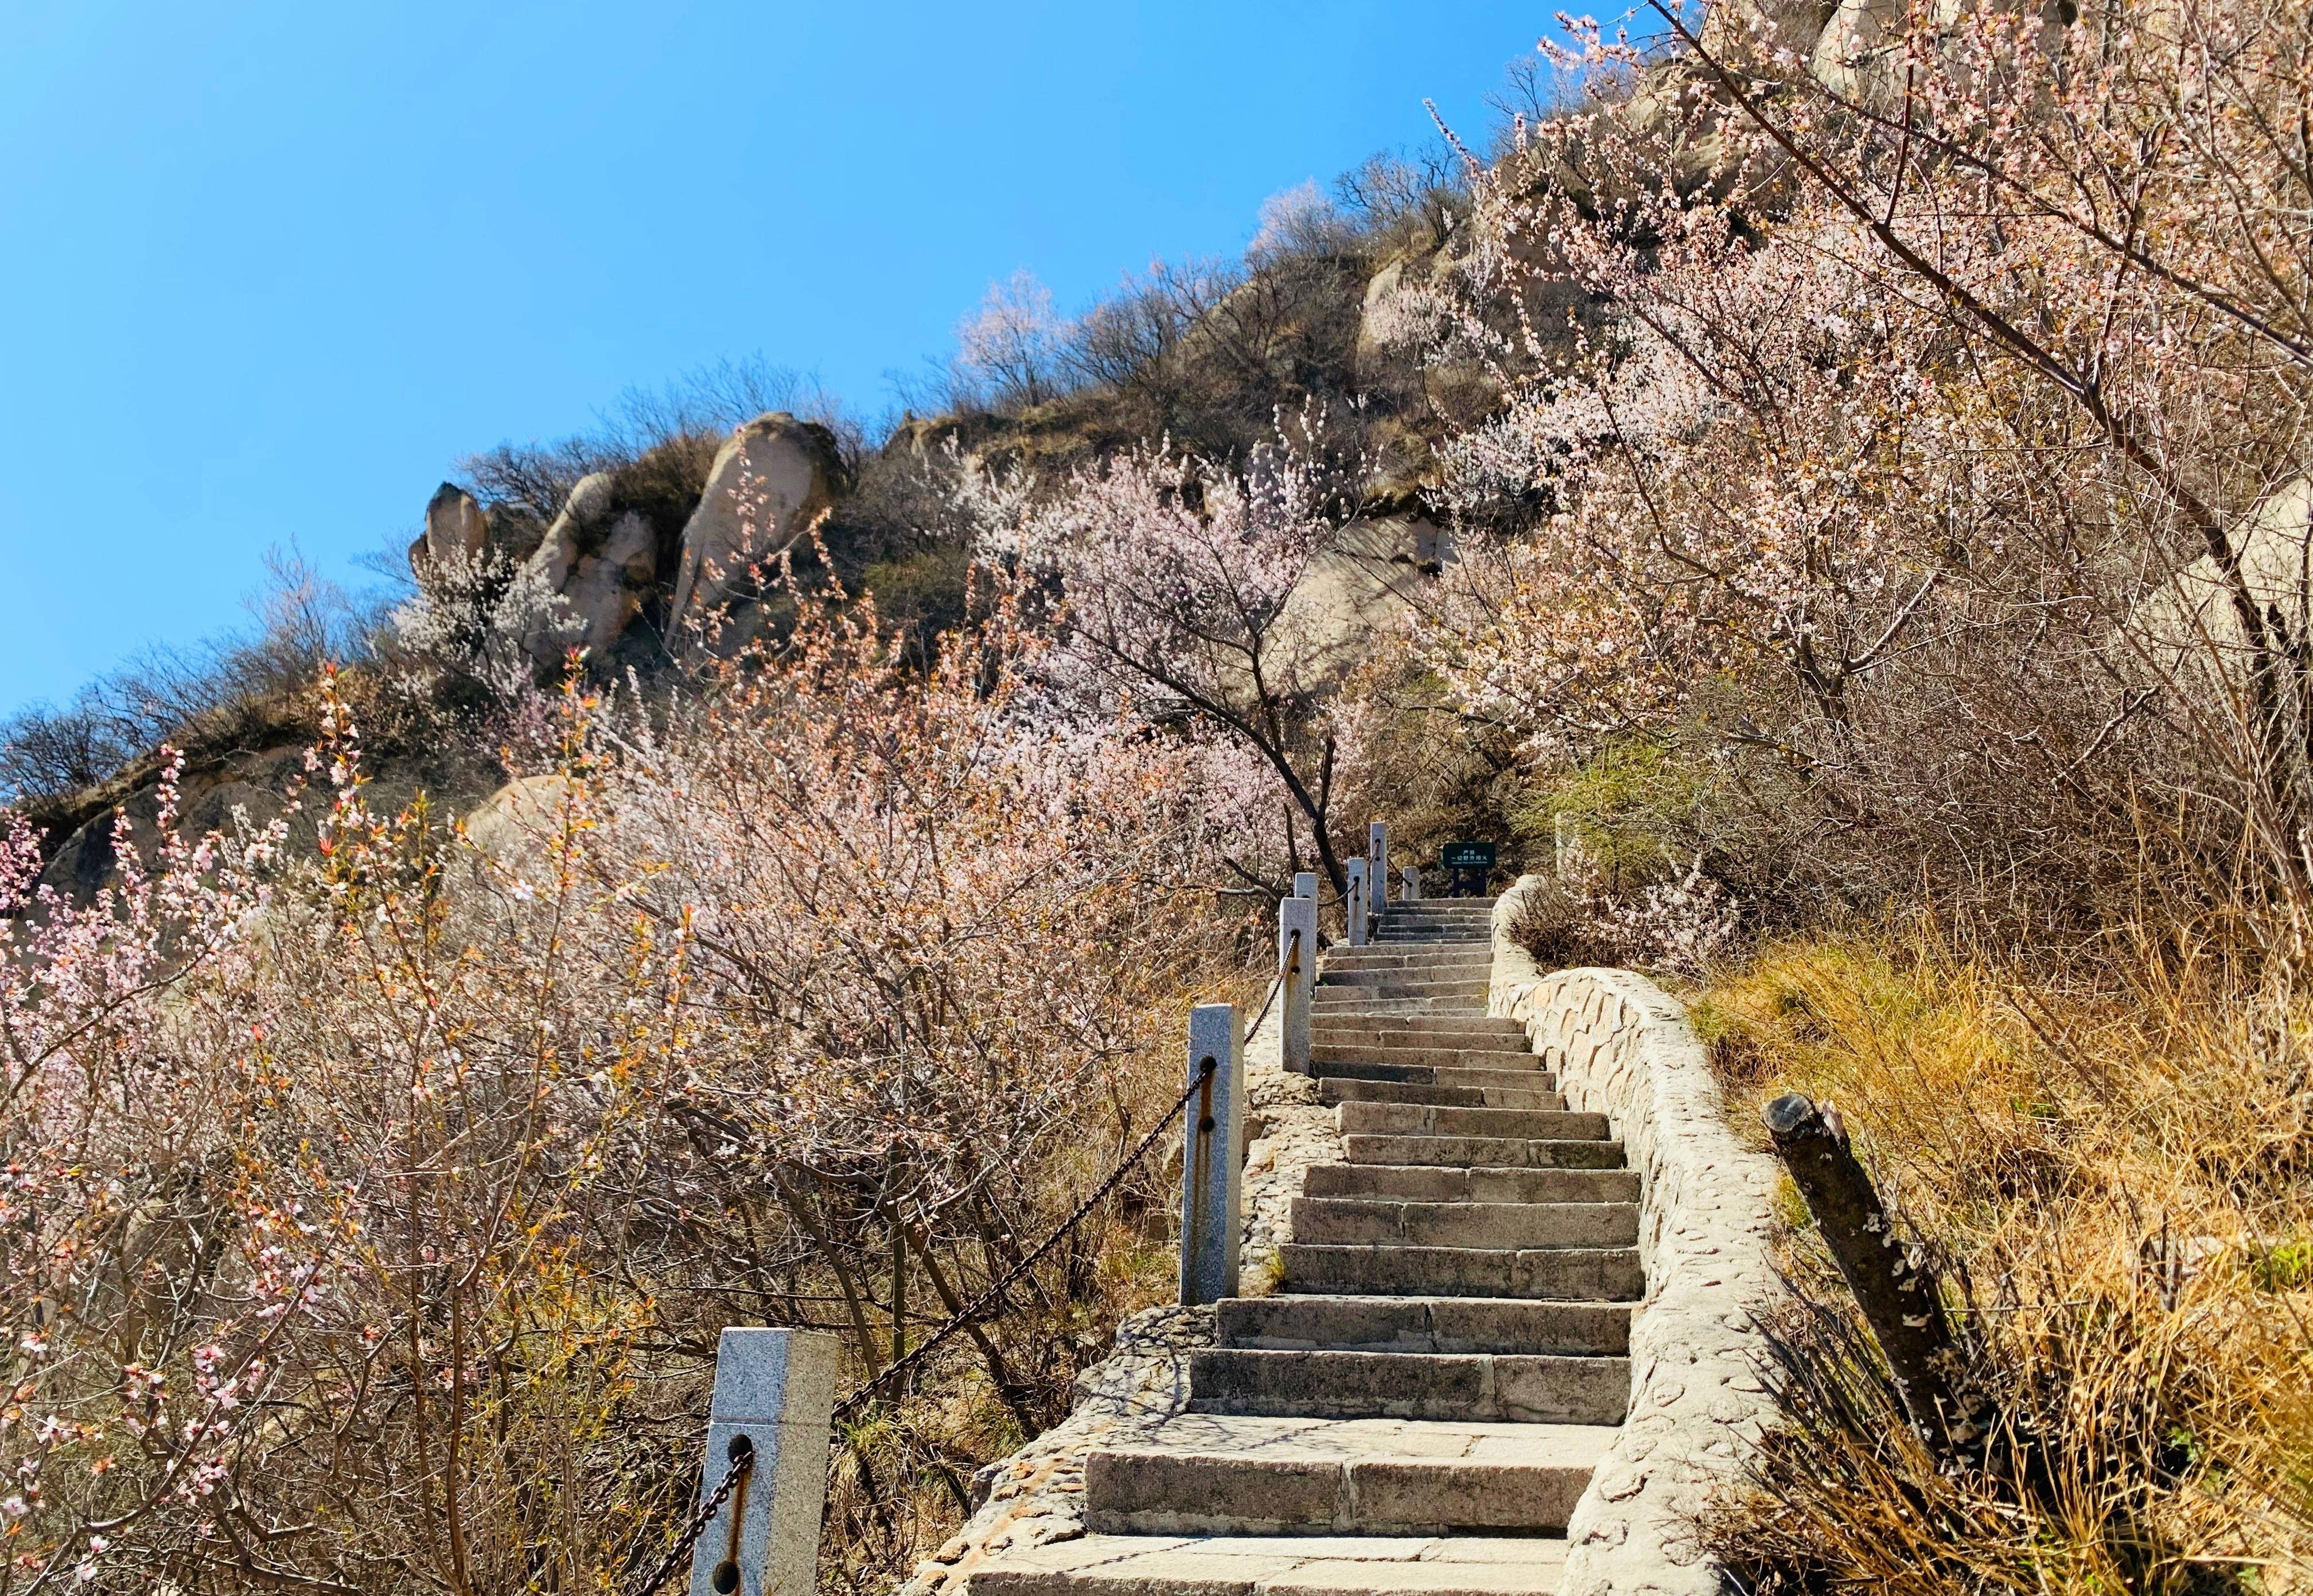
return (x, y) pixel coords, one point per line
(1421, 1404)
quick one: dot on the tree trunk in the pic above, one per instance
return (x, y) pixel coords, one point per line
(1898, 1297)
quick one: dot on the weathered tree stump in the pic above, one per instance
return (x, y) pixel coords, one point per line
(1898, 1297)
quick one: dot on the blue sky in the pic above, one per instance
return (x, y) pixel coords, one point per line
(269, 269)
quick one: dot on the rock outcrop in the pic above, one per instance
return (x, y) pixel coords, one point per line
(1360, 584)
(456, 527)
(601, 561)
(2190, 627)
(770, 480)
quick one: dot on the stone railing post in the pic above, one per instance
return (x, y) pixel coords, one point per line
(1297, 976)
(1212, 1156)
(1412, 891)
(775, 1391)
(1353, 903)
(1378, 864)
(1305, 885)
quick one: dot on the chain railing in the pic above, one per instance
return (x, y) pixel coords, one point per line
(1276, 985)
(893, 1377)
(742, 1459)
(971, 1311)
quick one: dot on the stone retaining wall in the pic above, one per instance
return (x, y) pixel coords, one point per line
(1622, 1046)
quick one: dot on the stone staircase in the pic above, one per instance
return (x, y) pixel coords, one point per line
(1422, 1403)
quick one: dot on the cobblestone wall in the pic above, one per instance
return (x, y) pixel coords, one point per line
(1622, 1046)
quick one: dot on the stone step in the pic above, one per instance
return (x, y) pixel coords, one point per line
(1471, 941)
(1471, 1153)
(1378, 1050)
(1437, 947)
(1423, 1184)
(1328, 998)
(1410, 956)
(1391, 986)
(1417, 985)
(1457, 928)
(1513, 1389)
(1415, 1119)
(1484, 1030)
(1498, 1057)
(1427, 1324)
(1384, 1221)
(1279, 1565)
(1335, 1089)
(1234, 1474)
(1577, 1273)
(1367, 1007)
(1515, 1080)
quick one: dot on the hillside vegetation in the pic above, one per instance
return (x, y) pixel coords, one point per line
(1829, 488)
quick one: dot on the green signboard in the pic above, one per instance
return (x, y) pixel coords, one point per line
(1467, 856)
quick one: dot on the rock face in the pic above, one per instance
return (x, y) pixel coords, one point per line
(456, 527)
(608, 563)
(772, 477)
(600, 561)
(1359, 585)
(455, 523)
(2189, 629)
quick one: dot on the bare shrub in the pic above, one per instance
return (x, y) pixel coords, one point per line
(209, 699)
(1397, 200)
(1560, 928)
(656, 442)
(399, 1190)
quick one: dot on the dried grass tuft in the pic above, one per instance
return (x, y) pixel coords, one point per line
(2111, 1162)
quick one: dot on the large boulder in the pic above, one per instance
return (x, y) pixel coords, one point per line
(2189, 628)
(519, 826)
(770, 480)
(600, 561)
(457, 528)
(1360, 586)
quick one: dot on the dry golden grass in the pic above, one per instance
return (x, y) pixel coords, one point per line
(2114, 1161)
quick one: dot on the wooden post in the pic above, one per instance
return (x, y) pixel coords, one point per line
(775, 1391)
(1378, 865)
(899, 1238)
(1412, 891)
(1899, 1299)
(1296, 975)
(1212, 1156)
(1353, 903)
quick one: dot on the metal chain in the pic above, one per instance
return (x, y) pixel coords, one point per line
(1275, 986)
(972, 1309)
(692, 1531)
(689, 1540)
